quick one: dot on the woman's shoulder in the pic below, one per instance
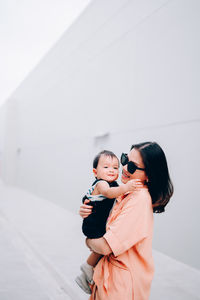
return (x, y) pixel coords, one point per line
(141, 196)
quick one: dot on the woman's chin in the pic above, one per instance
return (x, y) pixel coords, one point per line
(124, 179)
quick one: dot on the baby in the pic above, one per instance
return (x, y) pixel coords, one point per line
(102, 195)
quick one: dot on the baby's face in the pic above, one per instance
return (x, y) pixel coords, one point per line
(107, 168)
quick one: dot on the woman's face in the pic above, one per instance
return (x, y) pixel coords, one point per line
(135, 156)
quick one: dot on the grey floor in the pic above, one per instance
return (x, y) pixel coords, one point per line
(41, 248)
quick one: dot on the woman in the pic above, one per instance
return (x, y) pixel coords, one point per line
(126, 268)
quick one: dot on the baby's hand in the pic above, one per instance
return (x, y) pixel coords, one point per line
(134, 185)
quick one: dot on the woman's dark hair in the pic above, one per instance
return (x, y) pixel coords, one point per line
(159, 182)
(104, 152)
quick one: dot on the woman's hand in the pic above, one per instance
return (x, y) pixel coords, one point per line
(85, 210)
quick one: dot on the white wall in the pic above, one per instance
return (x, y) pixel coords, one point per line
(2, 139)
(129, 68)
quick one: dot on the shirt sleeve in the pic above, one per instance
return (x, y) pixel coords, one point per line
(131, 225)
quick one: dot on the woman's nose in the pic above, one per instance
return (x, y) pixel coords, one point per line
(125, 168)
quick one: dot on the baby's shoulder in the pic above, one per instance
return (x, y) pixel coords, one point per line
(100, 186)
(102, 183)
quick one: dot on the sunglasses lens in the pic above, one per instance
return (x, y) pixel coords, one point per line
(131, 167)
(124, 159)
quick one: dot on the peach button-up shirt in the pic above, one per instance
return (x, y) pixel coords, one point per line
(126, 274)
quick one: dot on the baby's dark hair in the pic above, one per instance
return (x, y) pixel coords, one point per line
(104, 152)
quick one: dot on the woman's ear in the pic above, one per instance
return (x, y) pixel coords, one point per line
(95, 172)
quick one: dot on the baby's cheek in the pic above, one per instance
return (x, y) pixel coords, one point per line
(117, 174)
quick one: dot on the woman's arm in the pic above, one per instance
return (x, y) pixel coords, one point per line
(85, 209)
(132, 225)
(99, 246)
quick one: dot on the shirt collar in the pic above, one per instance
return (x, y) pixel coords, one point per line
(120, 198)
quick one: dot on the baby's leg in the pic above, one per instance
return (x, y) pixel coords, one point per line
(87, 272)
(87, 267)
(93, 259)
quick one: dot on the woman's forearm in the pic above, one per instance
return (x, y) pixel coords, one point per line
(99, 246)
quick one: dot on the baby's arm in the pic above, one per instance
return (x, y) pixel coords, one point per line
(113, 192)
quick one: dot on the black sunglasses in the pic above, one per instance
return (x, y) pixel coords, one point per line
(131, 166)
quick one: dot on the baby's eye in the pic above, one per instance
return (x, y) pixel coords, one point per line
(105, 167)
(116, 168)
